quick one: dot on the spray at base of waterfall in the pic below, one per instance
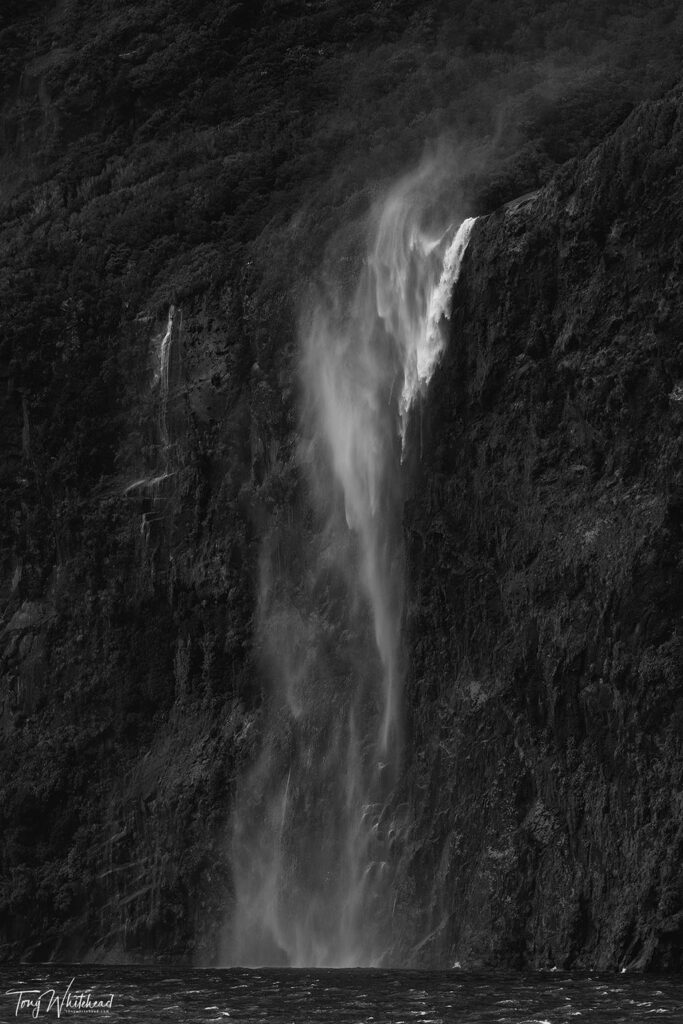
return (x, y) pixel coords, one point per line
(313, 858)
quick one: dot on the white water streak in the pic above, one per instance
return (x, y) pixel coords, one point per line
(393, 331)
(151, 484)
(163, 375)
(315, 890)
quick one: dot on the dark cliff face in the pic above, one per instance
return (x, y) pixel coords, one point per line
(146, 165)
(544, 551)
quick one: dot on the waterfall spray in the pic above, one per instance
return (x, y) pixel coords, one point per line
(312, 830)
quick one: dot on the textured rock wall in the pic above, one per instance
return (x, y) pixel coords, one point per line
(544, 549)
(543, 537)
(130, 684)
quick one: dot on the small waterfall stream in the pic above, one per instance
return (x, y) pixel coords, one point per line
(163, 376)
(313, 837)
(151, 484)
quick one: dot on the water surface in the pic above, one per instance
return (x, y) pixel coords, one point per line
(149, 994)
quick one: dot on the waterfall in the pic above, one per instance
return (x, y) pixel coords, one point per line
(162, 376)
(313, 837)
(151, 485)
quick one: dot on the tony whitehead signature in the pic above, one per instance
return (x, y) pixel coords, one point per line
(35, 1002)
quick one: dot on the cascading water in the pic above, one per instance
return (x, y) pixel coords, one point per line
(162, 375)
(313, 835)
(151, 484)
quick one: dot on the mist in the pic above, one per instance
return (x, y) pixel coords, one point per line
(315, 837)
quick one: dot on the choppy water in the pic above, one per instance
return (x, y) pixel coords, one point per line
(147, 995)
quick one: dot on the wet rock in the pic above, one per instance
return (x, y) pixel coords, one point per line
(548, 558)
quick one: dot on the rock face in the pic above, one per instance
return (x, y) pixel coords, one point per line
(129, 687)
(543, 528)
(544, 560)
